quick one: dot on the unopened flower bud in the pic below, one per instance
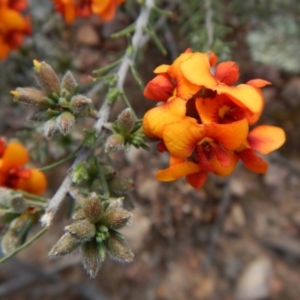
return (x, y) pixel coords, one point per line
(18, 203)
(113, 94)
(65, 122)
(10, 241)
(93, 208)
(12, 200)
(120, 185)
(80, 173)
(82, 230)
(46, 77)
(65, 245)
(91, 258)
(115, 218)
(80, 104)
(126, 122)
(78, 215)
(119, 249)
(29, 96)
(114, 143)
(69, 83)
(50, 128)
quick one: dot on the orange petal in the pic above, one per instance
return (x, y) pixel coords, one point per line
(222, 170)
(160, 88)
(35, 184)
(231, 136)
(14, 156)
(208, 110)
(258, 83)
(161, 69)
(213, 58)
(243, 95)
(196, 69)
(184, 88)
(156, 118)
(181, 137)
(227, 72)
(252, 162)
(178, 170)
(197, 180)
(266, 139)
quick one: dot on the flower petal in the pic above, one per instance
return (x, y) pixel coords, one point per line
(197, 180)
(266, 139)
(160, 88)
(161, 69)
(181, 137)
(221, 168)
(156, 118)
(196, 69)
(227, 72)
(258, 83)
(243, 95)
(252, 161)
(178, 170)
(231, 136)
(35, 184)
(15, 156)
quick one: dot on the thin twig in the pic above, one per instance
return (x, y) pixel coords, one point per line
(215, 231)
(105, 110)
(209, 24)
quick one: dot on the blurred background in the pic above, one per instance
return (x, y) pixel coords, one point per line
(236, 238)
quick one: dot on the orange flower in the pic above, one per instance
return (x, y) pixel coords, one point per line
(263, 139)
(71, 9)
(14, 4)
(12, 29)
(13, 175)
(203, 119)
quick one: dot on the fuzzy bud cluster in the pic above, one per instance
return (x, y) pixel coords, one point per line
(126, 132)
(94, 231)
(58, 102)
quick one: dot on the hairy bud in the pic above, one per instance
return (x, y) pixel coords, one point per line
(93, 208)
(120, 185)
(114, 143)
(69, 83)
(65, 122)
(65, 245)
(80, 104)
(50, 128)
(119, 249)
(115, 217)
(126, 122)
(82, 230)
(10, 241)
(91, 258)
(29, 96)
(46, 77)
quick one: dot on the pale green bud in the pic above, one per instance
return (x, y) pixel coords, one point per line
(29, 96)
(50, 128)
(69, 83)
(120, 185)
(80, 104)
(93, 208)
(119, 249)
(82, 230)
(65, 245)
(114, 143)
(64, 122)
(46, 77)
(91, 258)
(126, 122)
(115, 217)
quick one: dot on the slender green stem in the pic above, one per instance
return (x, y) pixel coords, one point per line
(25, 245)
(103, 181)
(33, 197)
(35, 203)
(69, 157)
(127, 102)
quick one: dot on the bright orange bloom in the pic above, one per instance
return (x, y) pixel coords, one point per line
(13, 157)
(71, 9)
(14, 4)
(203, 119)
(13, 27)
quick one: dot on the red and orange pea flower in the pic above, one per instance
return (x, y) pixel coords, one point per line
(203, 120)
(71, 9)
(13, 174)
(13, 26)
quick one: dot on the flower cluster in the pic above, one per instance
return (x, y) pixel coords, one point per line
(58, 102)
(13, 157)
(71, 9)
(13, 26)
(203, 119)
(94, 230)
